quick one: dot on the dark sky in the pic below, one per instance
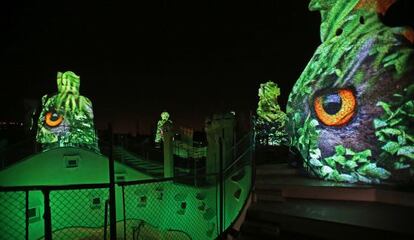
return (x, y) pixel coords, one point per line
(191, 58)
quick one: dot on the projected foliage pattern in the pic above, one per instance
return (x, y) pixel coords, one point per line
(351, 112)
(165, 118)
(66, 118)
(270, 122)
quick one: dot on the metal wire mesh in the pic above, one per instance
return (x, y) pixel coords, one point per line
(237, 179)
(237, 188)
(167, 210)
(78, 214)
(12, 215)
(179, 208)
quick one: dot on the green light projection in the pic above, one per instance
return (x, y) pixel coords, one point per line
(153, 210)
(351, 112)
(270, 122)
(66, 118)
(164, 209)
(165, 118)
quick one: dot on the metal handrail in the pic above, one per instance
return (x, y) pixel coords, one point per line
(52, 187)
(240, 141)
(249, 148)
(238, 159)
(46, 189)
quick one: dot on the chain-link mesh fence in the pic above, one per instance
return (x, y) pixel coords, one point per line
(13, 215)
(79, 213)
(169, 210)
(237, 186)
(189, 161)
(172, 208)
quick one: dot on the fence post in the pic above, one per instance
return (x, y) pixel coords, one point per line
(168, 150)
(27, 214)
(112, 204)
(47, 215)
(123, 208)
(221, 188)
(106, 220)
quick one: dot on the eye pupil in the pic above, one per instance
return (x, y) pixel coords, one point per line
(336, 108)
(332, 104)
(54, 117)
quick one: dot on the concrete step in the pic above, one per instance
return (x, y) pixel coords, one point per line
(269, 195)
(259, 230)
(281, 169)
(350, 219)
(247, 237)
(297, 180)
(325, 191)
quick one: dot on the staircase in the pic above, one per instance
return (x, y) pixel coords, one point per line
(152, 168)
(291, 206)
(134, 161)
(265, 192)
(254, 227)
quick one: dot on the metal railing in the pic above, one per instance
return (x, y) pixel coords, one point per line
(161, 208)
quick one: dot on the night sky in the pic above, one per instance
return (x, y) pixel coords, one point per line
(136, 60)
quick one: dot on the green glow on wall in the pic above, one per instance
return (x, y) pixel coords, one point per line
(66, 118)
(270, 122)
(165, 118)
(351, 111)
(165, 207)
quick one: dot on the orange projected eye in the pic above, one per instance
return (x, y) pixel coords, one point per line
(53, 119)
(335, 109)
